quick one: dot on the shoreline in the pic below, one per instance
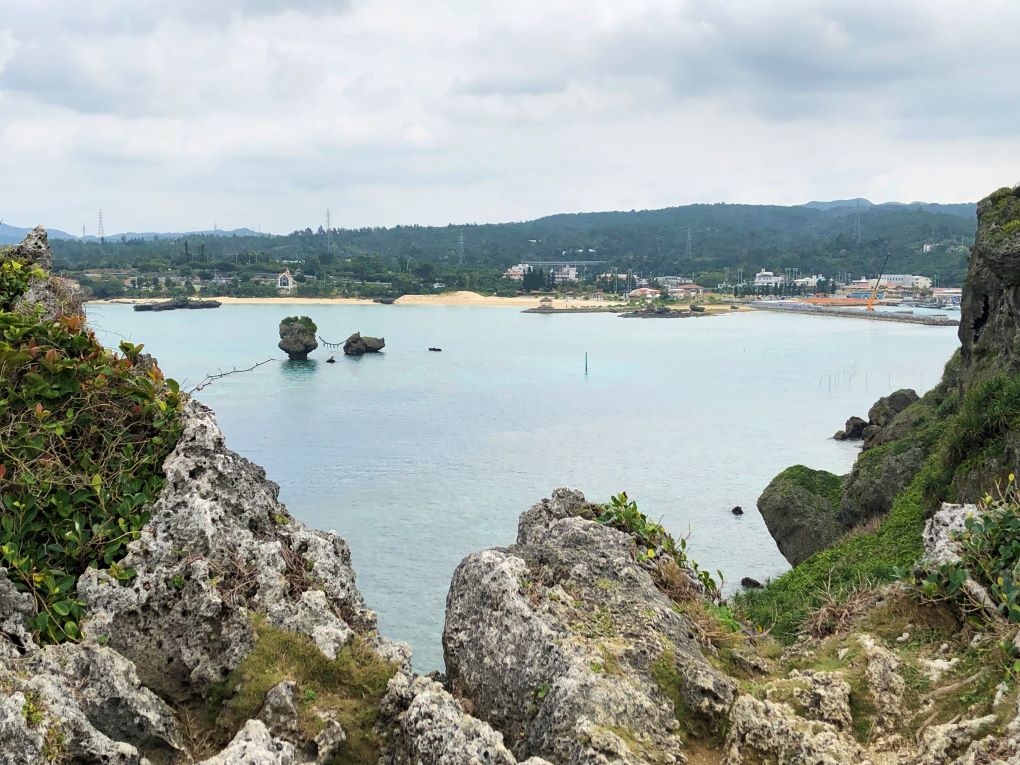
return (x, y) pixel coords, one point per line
(446, 299)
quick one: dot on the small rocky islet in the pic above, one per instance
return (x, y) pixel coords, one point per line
(227, 632)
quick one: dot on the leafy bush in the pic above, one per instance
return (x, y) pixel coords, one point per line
(989, 553)
(83, 435)
(653, 541)
(304, 321)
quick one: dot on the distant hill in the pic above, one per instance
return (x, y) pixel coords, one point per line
(147, 236)
(704, 240)
(14, 234)
(963, 209)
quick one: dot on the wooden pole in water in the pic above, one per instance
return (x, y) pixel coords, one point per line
(586, 363)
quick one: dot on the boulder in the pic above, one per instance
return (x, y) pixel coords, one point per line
(853, 430)
(297, 337)
(876, 479)
(564, 644)
(887, 407)
(431, 726)
(357, 345)
(799, 508)
(57, 298)
(219, 547)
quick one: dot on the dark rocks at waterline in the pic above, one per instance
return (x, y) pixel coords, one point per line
(384, 301)
(852, 431)
(358, 345)
(436, 350)
(297, 337)
(738, 510)
(749, 583)
(178, 304)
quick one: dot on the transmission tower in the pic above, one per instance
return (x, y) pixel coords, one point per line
(690, 252)
(460, 248)
(83, 231)
(100, 231)
(329, 232)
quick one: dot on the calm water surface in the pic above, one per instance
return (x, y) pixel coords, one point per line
(420, 458)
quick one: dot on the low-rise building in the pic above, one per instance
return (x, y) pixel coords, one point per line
(768, 279)
(516, 273)
(645, 293)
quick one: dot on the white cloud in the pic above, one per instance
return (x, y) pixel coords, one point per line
(264, 112)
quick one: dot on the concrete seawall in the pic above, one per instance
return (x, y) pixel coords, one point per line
(930, 321)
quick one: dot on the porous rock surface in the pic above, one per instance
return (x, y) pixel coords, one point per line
(219, 547)
(552, 642)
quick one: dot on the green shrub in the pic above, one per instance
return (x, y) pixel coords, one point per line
(304, 321)
(653, 541)
(83, 435)
(989, 553)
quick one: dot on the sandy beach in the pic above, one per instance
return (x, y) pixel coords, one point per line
(462, 298)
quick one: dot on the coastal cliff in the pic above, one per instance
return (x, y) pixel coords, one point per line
(207, 625)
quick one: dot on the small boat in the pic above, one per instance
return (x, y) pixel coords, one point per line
(437, 350)
(331, 360)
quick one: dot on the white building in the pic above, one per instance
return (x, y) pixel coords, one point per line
(768, 279)
(285, 282)
(516, 273)
(564, 274)
(809, 281)
(906, 281)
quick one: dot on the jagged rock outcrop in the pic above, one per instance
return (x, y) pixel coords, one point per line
(297, 337)
(219, 547)
(358, 345)
(853, 430)
(799, 507)
(57, 298)
(883, 411)
(990, 309)
(565, 645)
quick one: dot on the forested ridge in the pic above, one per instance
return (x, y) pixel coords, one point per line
(652, 242)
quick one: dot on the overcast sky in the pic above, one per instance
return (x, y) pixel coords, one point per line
(263, 113)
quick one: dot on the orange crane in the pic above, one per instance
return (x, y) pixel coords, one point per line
(878, 281)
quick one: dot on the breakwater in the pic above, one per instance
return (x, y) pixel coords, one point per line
(903, 318)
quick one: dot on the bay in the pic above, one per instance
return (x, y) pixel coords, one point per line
(418, 459)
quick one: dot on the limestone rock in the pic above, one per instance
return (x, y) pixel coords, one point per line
(799, 509)
(57, 298)
(885, 683)
(565, 645)
(826, 698)
(16, 609)
(220, 546)
(432, 727)
(297, 337)
(254, 745)
(853, 430)
(105, 688)
(358, 345)
(763, 731)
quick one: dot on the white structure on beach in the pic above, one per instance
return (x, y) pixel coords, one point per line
(285, 282)
(768, 279)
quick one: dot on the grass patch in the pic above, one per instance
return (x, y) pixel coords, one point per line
(781, 606)
(820, 482)
(349, 687)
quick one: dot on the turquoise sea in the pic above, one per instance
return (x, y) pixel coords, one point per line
(420, 458)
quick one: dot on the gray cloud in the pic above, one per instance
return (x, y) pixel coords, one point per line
(476, 110)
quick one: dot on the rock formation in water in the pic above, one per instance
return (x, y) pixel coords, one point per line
(178, 304)
(853, 430)
(799, 507)
(297, 337)
(357, 345)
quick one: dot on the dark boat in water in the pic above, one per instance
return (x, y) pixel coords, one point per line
(437, 350)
